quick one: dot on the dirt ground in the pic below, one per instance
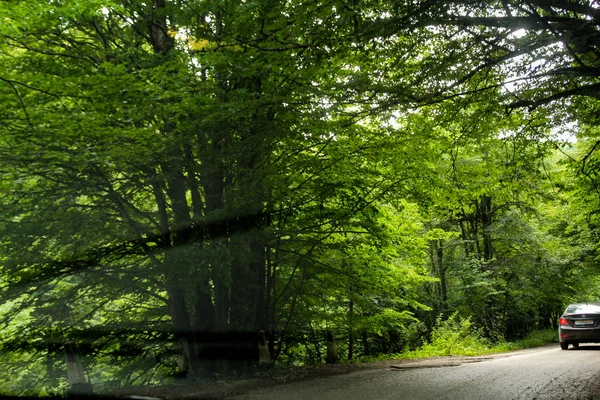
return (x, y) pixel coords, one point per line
(221, 389)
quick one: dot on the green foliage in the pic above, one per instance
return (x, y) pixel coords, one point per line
(453, 336)
(461, 340)
(291, 167)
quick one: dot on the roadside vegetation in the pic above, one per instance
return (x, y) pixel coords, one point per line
(195, 189)
(457, 337)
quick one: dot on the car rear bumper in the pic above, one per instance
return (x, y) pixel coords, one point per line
(580, 335)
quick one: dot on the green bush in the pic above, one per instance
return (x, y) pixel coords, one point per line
(456, 336)
(453, 336)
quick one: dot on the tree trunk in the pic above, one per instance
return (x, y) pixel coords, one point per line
(485, 214)
(442, 275)
(264, 355)
(332, 349)
(350, 329)
(178, 261)
(365, 343)
(75, 372)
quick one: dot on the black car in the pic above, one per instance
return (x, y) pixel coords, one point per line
(580, 323)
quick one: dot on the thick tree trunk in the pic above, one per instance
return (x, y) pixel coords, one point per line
(79, 385)
(212, 179)
(173, 259)
(182, 254)
(180, 261)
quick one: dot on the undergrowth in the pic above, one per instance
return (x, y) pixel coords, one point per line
(457, 336)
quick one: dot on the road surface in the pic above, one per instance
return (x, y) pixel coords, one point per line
(542, 373)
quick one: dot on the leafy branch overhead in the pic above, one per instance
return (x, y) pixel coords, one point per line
(193, 187)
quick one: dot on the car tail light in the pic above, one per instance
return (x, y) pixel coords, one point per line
(563, 321)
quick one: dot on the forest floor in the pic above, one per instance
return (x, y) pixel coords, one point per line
(220, 389)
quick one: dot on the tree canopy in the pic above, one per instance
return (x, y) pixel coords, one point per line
(190, 185)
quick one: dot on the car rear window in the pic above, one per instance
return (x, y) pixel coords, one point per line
(582, 308)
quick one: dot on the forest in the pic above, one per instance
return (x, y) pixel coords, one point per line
(197, 188)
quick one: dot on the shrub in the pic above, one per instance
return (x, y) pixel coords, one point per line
(454, 336)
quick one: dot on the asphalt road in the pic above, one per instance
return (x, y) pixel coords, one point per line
(542, 373)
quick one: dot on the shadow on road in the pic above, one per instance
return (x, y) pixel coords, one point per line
(584, 347)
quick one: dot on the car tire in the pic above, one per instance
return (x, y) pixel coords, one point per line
(575, 345)
(564, 345)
